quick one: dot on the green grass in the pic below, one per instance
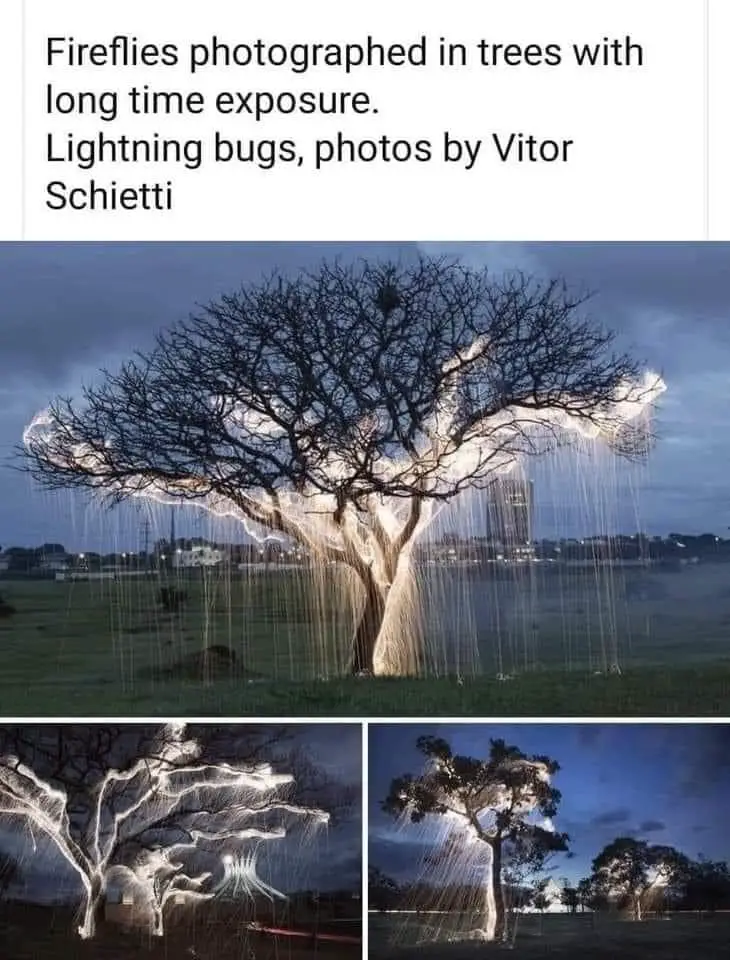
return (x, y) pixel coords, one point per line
(107, 649)
(644, 692)
(561, 937)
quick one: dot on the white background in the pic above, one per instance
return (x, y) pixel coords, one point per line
(640, 170)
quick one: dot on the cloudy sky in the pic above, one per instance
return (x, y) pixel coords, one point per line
(667, 784)
(329, 858)
(69, 309)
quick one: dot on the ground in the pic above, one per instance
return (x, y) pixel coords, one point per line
(563, 937)
(108, 649)
(44, 933)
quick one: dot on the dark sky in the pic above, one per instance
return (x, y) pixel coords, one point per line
(329, 858)
(665, 783)
(69, 309)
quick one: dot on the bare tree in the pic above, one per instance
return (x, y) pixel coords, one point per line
(139, 799)
(340, 409)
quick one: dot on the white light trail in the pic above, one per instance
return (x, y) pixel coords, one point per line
(373, 534)
(134, 805)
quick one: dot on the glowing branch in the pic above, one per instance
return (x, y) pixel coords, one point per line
(137, 821)
(315, 409)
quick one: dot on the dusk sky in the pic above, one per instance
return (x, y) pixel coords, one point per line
(70, 309)
(667, 784)
(329, 859)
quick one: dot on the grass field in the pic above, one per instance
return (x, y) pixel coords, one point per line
(44, 933)
(562, 937)
(108, 649)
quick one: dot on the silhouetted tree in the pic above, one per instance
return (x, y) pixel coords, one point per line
(633, 869)
(382, 890)
(570, 897)
(706, 886)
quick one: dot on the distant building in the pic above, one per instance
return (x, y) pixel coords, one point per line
(198, 556)
(54, 564)
(4, 563)
(510, 506)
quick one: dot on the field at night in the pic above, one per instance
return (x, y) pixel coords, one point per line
(91, 648)
(44, 933)
(563, 937)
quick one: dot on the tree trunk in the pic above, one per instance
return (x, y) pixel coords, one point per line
(637, 908)
(368, 629)
(500, 927)
(93, 909)
(495, 928)
(158, 927)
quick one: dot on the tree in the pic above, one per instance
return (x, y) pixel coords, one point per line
(136, 800)
(159, 878)
(490, 802)
(340, 409)
(21, 559)
(592, 896)
(542, 898)
(633, 869)
(382, 890)
(706, 885)
(570, 897)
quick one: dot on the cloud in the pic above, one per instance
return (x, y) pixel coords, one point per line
(610, 817)
(652, 826)
(69, 309)
(588, 734)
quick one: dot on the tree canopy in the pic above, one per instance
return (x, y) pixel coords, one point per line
(632, 869)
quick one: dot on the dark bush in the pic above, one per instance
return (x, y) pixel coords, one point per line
(6, 609)
(172, 599)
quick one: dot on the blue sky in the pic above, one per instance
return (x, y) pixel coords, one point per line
(666, 783)
(72, 308)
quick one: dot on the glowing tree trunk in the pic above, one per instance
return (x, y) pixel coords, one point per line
(93, 908)
(164, 777)
(385, 640)
(368, 629)
(158, 926)
(494, 920)
(637, 906)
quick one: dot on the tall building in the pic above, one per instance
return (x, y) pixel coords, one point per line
(510, 503)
